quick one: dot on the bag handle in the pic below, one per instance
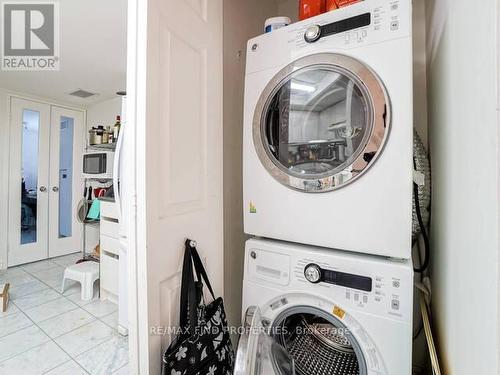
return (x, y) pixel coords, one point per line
(200, 270)
(188, 308)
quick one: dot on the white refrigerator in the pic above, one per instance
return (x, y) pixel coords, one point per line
(123, 177)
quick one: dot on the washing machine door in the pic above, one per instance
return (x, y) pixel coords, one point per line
(321, 122)
(258, 353)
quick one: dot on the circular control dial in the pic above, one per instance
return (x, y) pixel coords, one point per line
(312, 272)
(312, 34)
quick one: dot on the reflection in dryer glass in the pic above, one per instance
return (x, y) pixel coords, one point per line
(317, 122)
(318, 347)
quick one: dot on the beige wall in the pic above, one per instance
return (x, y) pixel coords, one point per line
(462, 47)
(242, 20)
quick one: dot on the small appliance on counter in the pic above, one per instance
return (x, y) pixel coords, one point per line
(98, 164)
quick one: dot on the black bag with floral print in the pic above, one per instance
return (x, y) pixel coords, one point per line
(203, 346)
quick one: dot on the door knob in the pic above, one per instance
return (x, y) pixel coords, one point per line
(55, 189)
(43, 189)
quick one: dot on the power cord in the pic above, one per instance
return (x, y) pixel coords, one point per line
(425, 264)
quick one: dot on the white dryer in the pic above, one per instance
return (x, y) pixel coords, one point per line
(328, 130)
(332, 312)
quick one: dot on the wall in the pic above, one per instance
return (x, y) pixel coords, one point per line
(463, 133)
(102, 113)
(242, 20)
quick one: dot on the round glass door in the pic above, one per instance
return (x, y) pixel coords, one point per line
(321, 122)
(319, 343)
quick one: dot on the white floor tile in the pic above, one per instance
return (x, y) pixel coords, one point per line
(122, 371)
(51, 273)
(68, 368)
(66, 322)
(35, 361)
(17, 291)
(13, 323)
(43, 265)
(17, 279)
(105, 358)
(11, 309)
(36, 299)
(101, 308)
(77, 298)
(111, 320)
(50, 309)
(13, 271)
(67, 259)
(21, 341)
(85, 338)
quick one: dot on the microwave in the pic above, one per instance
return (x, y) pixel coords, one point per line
(98, 164)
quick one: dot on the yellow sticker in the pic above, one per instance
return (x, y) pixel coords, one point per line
(253, 209)
(338, 312)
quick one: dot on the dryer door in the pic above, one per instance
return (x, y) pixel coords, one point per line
(258, 353)
(321, 122)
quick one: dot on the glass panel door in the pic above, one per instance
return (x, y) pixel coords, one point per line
(66, 183)
(29, 175)
(28, 181)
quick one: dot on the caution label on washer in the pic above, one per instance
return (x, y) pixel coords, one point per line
(338, 312)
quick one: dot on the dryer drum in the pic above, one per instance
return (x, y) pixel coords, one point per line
(320, 346)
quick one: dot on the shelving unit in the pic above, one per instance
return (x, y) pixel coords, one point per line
(102, 147)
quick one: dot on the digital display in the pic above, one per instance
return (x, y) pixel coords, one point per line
(347, 24)
(347, 280)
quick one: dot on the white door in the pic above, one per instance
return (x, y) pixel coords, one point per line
(175, 104)
(28, 181)
(66, 182)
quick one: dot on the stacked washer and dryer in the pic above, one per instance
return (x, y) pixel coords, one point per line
(328, 175)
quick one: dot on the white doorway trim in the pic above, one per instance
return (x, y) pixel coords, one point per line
(136, 237)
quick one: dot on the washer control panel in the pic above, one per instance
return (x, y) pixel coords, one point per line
(315, 274)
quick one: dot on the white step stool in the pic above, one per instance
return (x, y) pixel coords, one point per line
(86, 273)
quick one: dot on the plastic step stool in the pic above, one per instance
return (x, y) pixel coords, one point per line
(86, 273)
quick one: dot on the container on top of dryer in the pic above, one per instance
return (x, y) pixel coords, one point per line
(333, 312)
(328, 131)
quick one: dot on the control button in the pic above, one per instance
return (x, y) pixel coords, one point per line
(356, 297)
(355, 35)
(365, 299)
(378, 299)
(395, 6)
(347, 37)
(394, 25)
(313, 33)
(396, 284)
(312, 273)
(364, 33)
(395, 304)
(348, 294)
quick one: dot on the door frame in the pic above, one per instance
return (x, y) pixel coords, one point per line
(137, 41)
(32, 251)
(9, 95)
(63, 246)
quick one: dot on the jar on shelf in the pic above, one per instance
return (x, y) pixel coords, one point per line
(92, 136)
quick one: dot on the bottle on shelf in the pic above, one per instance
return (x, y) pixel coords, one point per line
(116, 128)
(110, 134)
(99, 135)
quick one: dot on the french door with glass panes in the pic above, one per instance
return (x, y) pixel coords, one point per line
(45, 183)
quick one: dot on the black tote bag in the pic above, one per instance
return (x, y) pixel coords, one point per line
(203, 346)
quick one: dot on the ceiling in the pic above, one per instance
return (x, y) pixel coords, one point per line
(92, 57)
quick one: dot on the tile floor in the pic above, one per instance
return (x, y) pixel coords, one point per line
(46, 332)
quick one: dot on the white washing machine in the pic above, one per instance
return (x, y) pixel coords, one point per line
(328, 130)
(331, 312)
